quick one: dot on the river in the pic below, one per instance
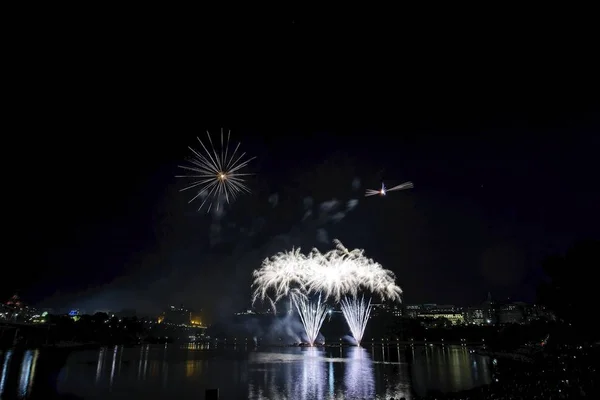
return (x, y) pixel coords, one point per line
(185, 372)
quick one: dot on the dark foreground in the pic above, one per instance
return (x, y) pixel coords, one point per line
(566, 373)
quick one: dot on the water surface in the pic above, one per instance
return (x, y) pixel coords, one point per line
(185, 372)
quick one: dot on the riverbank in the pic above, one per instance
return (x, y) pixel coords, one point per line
(562, 374)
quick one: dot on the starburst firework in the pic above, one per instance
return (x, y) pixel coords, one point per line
(217, 175)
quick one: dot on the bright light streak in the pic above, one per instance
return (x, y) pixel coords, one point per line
(112, 368)
(357, 314)
(312, 315)
(4, 373)
(27, 372)
(100, 364)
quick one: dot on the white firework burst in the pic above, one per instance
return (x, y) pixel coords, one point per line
(217, 175)
(338, 275)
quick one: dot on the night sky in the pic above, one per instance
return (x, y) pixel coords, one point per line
(500, 142)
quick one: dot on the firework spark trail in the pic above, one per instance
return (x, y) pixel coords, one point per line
(383, 191)
(312, 314)
(357, 313)
(217, 175)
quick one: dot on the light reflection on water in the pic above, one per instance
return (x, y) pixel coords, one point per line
(21, 368)
(359, 376)
(165, 372)
(447, 369)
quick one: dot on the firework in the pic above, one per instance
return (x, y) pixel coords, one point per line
(348, 272)
(217, 175)
(312, 314)
(383, 191)
(338, 275)
(357, 313)
(342, 272)
(285, 275)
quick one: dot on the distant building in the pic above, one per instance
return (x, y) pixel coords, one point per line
(378, 309)
(512, 313)
(490, 309)
(177, 323)
(4, 312)
(180, 316)
(451, 308)
(196, 319)
(389, 309)
(537, 312)
(445, 311)
(15, 302)
(284, 310)
(489, 312)
(435, 311)
(15, 310)
(177, 315)
(412, 310)
(454, 318)
(428, 307)
(475, 316)
(398, 311)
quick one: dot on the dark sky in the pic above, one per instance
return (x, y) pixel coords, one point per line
(499, 134)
